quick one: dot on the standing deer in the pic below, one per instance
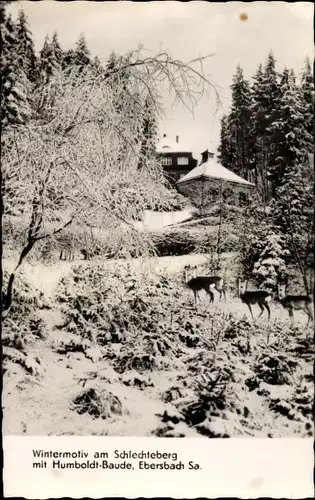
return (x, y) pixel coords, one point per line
(206, 283)
(251, 297)
(297, 303)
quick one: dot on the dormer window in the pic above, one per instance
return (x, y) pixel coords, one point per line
(182, 160)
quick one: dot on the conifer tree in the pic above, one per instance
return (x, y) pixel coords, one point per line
(49, 60)
(293, 206)
(15, 106)
(117, 76)
(118, 69)
(293, 214)
(266, 95)
(271, 265)
(46, 66)
(289, 131)
(239, 124)
(81, 56)
(25, 48)
(56, 48)
(307, 101)
(112, 61)
(235, 148)
(225, 148)
(67, 60)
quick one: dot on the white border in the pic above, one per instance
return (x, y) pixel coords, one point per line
(243, 468)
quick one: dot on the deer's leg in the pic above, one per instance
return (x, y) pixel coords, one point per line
(250, 310)
(308, 318)
(222, 294)
(290, 311)
(268, 309)
(261, 307)
(310, 312)
(209, 291)
(195, 297)
(211, 297)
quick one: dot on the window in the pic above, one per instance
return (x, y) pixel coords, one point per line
(166, 161)
(242, 199)
(182, 160)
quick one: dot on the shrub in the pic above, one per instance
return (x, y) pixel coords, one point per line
(22, 327)
(137, 325)
(176, 242)
(97, 402)
(196, 239)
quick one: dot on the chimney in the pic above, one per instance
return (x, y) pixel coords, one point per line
(205, 156)
(177, 139)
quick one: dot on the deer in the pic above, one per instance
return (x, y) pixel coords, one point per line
(297, 303)
(206, 283)
(251, 297)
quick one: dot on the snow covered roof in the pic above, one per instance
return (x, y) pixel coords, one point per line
(212, 169)
(166, 145)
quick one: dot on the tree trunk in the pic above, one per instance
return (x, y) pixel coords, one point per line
(10, 292)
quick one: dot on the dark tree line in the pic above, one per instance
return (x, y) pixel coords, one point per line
(269, 128)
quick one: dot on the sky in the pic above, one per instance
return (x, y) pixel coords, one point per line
(186, 30)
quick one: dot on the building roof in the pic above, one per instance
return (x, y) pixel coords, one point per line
(167, 145)
(212, 169)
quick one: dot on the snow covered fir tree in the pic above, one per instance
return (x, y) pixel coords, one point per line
(268, 134)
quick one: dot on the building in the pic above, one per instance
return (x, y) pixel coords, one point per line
(209, 181)
(176, 159)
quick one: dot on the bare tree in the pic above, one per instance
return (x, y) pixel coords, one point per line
(76, 160)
